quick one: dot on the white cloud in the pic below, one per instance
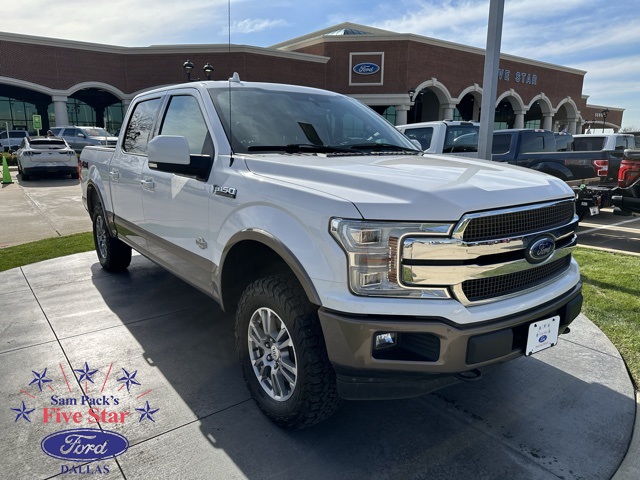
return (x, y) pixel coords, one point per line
(119, 22)
(251, 25)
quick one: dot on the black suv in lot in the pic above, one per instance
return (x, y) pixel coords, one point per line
(80, 137)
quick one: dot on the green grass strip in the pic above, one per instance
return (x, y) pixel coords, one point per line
(611, 290)
(19, 255)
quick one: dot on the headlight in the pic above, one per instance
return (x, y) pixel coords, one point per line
(372, 251)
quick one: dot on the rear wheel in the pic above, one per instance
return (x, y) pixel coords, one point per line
(283, 354)
(113, 255)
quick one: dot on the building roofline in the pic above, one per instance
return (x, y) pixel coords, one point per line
(158, 49)
(376, 34)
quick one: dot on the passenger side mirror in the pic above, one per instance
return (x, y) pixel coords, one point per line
(416, 143)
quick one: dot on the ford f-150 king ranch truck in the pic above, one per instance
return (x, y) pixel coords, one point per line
(357, 266)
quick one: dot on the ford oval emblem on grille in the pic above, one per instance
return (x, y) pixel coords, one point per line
(540, 249)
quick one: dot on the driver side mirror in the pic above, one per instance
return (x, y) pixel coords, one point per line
(170, 153)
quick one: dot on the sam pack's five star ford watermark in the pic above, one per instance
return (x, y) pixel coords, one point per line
(85, 405)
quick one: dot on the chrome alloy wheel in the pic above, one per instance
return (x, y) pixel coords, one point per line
(101, 236)
(272, 354)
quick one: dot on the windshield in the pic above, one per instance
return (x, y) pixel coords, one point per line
(269, 120)
(13, 134)
(96, 132)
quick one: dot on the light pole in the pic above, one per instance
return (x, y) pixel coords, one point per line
(412, 92)
(188, 67)
(604, 114)
(208, 70)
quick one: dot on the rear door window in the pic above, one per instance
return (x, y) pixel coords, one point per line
(140, 126)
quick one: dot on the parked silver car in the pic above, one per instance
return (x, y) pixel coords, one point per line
(46, 155)
(12, 141)
(80, 137)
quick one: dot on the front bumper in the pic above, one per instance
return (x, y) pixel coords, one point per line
(430, 351)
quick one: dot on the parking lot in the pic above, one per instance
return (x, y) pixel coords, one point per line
(567, 412)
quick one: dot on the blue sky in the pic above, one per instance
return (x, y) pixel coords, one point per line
(600, 37)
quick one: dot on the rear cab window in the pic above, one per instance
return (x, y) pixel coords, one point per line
(421, 134)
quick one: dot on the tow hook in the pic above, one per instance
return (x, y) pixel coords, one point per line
(470, 376)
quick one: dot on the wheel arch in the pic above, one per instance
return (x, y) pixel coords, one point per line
(94, 196)
(252, 254)
(555, 169)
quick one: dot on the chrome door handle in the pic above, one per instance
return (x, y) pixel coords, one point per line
(148, 184)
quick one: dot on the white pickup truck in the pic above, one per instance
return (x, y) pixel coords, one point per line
(445, 136)
(357, 266)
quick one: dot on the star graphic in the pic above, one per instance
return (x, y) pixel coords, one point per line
(86, 373)
(23, 412)
(146, 412)
(40, 378)
(129, 379)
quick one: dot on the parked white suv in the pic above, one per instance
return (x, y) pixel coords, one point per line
(12, 141)
(80, 137)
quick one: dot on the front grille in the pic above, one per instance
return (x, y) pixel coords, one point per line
(486, 288)
(515, 224)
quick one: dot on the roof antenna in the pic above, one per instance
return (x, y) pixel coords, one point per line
(230, 80)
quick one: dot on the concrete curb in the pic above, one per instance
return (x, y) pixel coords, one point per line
(630, 466)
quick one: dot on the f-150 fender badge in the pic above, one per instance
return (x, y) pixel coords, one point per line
(540, 249)
(224, 191)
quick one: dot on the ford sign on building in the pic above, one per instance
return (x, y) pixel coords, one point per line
(366, 68)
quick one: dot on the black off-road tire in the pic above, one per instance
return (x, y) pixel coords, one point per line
(314, 397)
(114, 256)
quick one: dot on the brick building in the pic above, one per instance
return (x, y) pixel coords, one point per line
(405, 77)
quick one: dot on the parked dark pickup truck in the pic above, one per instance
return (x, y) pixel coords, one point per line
(586, 172)
(610, 145)
(628, 198)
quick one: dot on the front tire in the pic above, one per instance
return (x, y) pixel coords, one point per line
(114, 256)
(283, 354)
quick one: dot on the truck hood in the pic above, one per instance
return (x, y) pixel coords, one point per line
(412, 188)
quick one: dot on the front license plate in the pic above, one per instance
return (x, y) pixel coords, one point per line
(594, 211)
(542, 334)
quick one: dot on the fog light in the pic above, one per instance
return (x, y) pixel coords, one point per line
(385, 340)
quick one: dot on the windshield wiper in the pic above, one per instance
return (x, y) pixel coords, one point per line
(383, 147)
(299, 147)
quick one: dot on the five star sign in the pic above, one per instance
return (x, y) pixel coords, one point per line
(146, 412)
(128, 379)
(23, 412)
(40, 378)
(86, 373)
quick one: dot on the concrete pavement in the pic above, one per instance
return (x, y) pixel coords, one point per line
(40, 208)
(565, 413)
